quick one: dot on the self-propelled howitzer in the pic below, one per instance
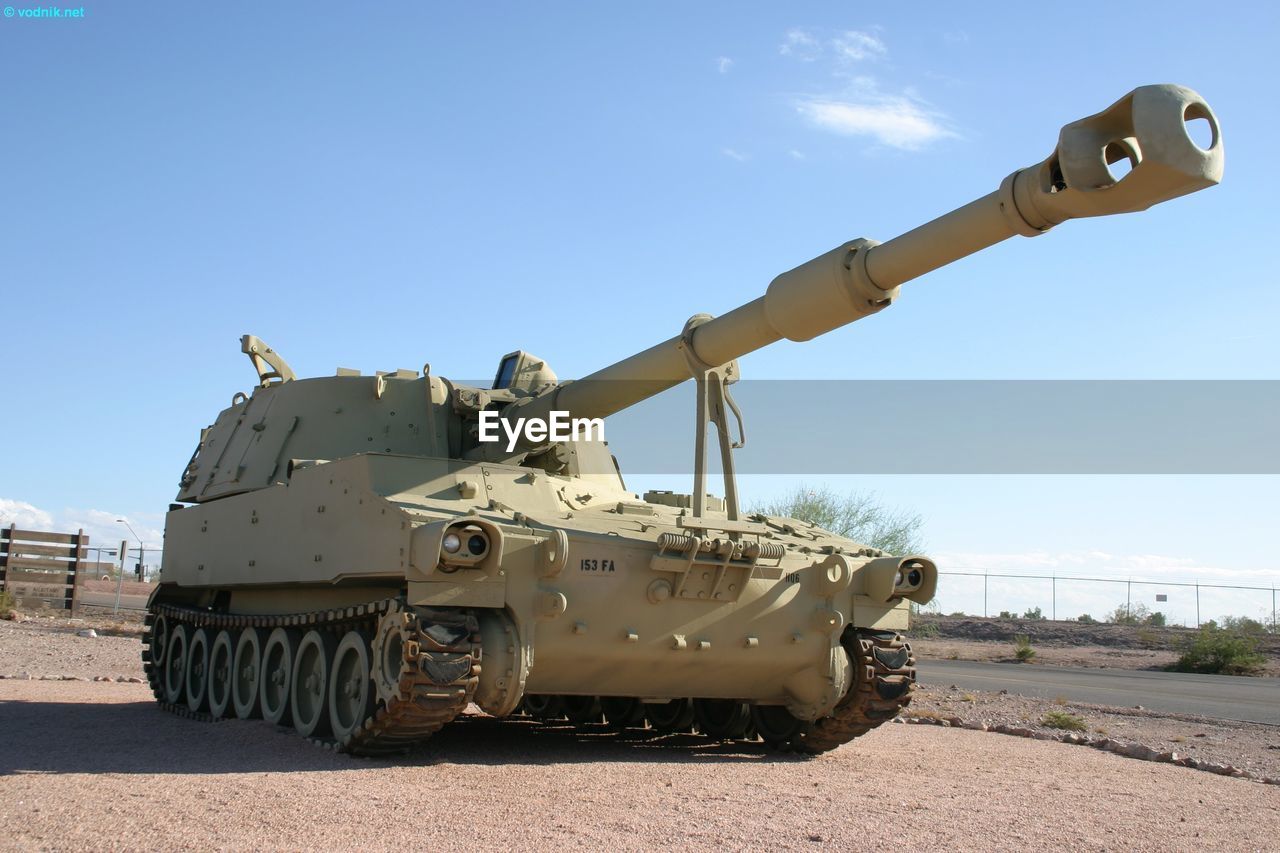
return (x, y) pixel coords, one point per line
(350, 556)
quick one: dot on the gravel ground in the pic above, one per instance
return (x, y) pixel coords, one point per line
(1093, 657)
(96, 765)
(1249, 746)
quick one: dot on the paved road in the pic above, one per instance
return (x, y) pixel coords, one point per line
(1227, 697)
(97, 598)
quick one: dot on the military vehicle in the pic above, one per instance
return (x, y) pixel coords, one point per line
(349, 557)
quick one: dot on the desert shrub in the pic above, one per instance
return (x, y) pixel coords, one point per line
(1129, 614)
(1005, 614)
(924, 630)
(1157, 619)
(1022, 648)
(1034, 614)
(1062, 720)
(958, 613)
(1243, 625)
(1147, 638)
(1086, 619)
(1215, 650)
(7, 601)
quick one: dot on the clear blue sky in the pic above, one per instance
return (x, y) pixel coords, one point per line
(378, 186)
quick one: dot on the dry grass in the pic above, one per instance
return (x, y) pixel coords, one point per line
(1063, 720)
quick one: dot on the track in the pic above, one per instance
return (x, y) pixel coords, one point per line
(383, 677)
(432, 667)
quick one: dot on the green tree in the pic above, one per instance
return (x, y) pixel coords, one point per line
(857, 516)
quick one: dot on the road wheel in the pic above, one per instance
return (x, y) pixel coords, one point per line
(622, 712)
(543, 707)
(277, 672)
(582, 710)
(777, 726)
(309, 690)
(671, 717)
(175, 665)
(246, 668)
(197, 689)
(351, 694)
(722, 719)
(220, 655)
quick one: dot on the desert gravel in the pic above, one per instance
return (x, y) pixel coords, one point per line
(86, 765)
(99, 766)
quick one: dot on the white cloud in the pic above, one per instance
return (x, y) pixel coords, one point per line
(735, 155)
(801, 45)
(100, 525)
(24, 515)
(796, 155)
(855, 46)
(723, 64)
(893, 120)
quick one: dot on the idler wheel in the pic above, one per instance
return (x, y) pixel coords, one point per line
(622, 712)
(220, 657)
(777, 726)
(388, 650)
(175, 665)
(309, 688)
(582, 710)
(246, 668)
(671, 717)
(351, 694)
(722, 719)
(159, 642)
(277, 675)
(543, 707)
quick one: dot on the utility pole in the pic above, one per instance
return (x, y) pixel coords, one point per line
(124, 556)
(124, 547)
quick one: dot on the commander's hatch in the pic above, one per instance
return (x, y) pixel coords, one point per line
(522, 374)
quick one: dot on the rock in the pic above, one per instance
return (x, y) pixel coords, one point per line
(1144, 753)
(102, 678)
(1167, 757)
(975, 725)
(88, 634)
(14, 616)
(133, 679)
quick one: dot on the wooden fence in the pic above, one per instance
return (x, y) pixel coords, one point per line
(40, 566)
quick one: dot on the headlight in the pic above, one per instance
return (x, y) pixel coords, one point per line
(451, 543)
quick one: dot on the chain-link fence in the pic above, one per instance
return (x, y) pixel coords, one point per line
(1188, 603)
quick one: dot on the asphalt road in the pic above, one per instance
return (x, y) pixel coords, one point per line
(1256, 700)
(97, 598)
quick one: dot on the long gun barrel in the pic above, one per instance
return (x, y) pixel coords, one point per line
(1147, 127)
